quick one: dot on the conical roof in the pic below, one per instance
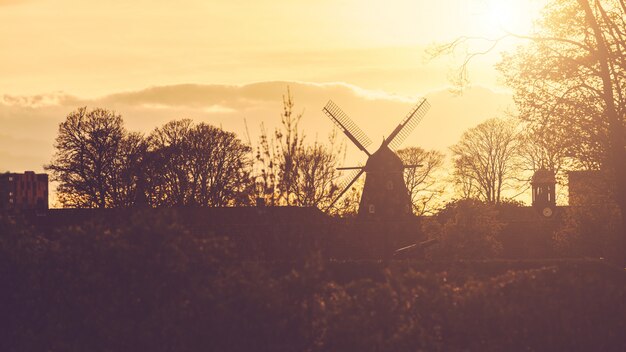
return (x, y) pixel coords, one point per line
(543, 176)
(384, 160)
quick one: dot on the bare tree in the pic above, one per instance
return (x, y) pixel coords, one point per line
(221, 167)
(568, 79)
(196, 165)
(316, 174)
(169, 167)
(486, 159)
(99, 164)
(466, 186)
(572, 73)
(541, 150)
(88, 149)
(276, 157)
(126, 182)
(266, 175)
(421, 181)
(290, 172)
(557, 86)
(290, 144)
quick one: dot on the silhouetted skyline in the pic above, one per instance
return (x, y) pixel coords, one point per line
(224, 62)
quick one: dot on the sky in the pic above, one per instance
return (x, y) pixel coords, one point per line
(229, 63)
(92, 48)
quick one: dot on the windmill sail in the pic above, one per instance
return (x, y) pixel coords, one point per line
(408, 124)
(346, 186)
(349, 128)
(385, 195)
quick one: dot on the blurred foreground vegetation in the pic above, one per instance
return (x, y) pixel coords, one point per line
(151, 285)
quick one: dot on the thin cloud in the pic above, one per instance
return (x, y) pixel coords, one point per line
(36, 118)
(12, 2)
(241, 96)
(39, 100)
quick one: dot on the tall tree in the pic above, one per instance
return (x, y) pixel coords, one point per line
(266, 174)
(197, 164)
(89, 146)
(486, 159)
(290, 146)
(558, 84)
(169, 163)
(127, 181)
(422, 181)
(541, 150)
(221, 167)
(315, 177)
(572, 74)
(291, 172)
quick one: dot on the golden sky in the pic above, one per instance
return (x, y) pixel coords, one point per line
(226, 61)
(92, 48)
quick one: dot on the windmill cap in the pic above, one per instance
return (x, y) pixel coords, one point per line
(384, 159)
(543, 176)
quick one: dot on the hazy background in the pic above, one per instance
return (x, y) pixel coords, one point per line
(225, 61)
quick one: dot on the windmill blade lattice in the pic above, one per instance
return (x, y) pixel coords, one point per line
(345, 186)
(408, 124)
(349, 128)
(348, 180)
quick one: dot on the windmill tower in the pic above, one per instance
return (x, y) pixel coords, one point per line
(385, 195)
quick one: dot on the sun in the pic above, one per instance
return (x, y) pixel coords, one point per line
(500, 13)
(497, 17)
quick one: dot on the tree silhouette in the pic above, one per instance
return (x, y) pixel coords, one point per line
(541, 150)
(291, 172)
(572, 76)
(196, 165)
(276, 157)
(93, 157)
(169, 170)
(421, 181)
(316, 174)
(127, 179)
(486, 159)
(99, 164)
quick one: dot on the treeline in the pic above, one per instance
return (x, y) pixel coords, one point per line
(571, 117)
(100, 164)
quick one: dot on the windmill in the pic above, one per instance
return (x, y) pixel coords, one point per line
(385, 195)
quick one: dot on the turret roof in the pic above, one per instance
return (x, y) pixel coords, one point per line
(543, 176)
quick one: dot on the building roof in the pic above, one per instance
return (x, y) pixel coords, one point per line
(384, 160)
(543, 176)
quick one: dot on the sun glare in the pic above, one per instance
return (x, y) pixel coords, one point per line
(495, 17)
(500, 14)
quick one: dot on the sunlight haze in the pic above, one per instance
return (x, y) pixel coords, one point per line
(92, 48)
(368, 57)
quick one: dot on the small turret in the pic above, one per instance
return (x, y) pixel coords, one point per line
(543, 186)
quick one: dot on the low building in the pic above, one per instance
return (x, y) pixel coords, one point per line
(23, 191)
